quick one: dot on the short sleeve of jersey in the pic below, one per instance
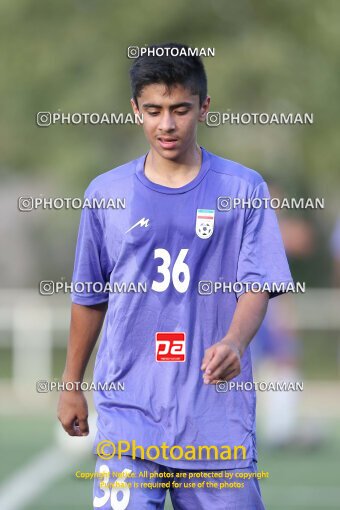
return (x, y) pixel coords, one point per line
(262, 258)
(91, 267)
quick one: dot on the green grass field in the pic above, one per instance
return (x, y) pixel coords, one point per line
(299, 479)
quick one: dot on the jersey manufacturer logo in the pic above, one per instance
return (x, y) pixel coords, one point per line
(205, 223)
(143, 222)
(170, 346)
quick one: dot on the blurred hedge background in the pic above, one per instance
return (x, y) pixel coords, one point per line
(72, 56)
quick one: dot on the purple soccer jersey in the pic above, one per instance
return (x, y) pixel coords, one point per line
(169, 240)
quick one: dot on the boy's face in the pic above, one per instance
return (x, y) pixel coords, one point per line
(170, 118)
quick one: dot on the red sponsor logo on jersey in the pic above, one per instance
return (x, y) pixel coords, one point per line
(170, 346)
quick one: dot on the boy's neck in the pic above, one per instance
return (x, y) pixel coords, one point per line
(173, 173)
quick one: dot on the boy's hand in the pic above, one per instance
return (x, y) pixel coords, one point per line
(222, 361)
(73, 413)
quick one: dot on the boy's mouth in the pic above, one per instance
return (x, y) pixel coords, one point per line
(168, 142)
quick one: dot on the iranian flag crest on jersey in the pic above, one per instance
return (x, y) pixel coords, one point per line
(205, 223)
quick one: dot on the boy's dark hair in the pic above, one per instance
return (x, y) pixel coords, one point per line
(170, 70)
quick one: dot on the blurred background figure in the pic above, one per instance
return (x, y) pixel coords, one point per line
(335, 252)
(277, 348)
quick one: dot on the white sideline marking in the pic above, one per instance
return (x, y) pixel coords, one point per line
(28, 482)
(23, 487)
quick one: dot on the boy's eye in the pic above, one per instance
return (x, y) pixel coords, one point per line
(153, 113)
(182, 112)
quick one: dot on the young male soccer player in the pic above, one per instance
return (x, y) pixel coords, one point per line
(173, 340)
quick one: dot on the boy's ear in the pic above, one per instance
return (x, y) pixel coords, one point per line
(135, 109)
(134, 106)
(204, 109)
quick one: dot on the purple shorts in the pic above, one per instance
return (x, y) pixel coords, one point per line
(142, 485)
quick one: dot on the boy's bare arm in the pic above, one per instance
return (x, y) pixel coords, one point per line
(222, 361)
(86, 323)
